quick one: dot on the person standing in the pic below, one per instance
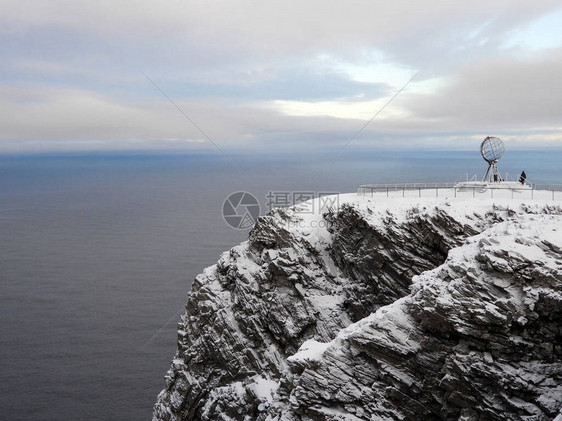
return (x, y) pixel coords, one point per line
(523, 177)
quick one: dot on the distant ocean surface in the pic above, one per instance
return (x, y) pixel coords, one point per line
(98, 252)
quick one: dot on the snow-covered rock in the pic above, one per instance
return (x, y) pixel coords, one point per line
(395, 308)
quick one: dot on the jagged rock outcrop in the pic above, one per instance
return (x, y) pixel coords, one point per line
(391, 310)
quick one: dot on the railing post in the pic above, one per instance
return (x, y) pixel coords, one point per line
(455, 191)
(473, 192)
(387, 192)
(436, 191)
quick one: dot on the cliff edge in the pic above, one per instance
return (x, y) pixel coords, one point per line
(378, 309)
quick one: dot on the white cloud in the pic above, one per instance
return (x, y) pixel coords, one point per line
(352, 110)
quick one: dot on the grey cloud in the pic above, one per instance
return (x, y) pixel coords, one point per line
(299, 84)
(77, 115)
(502, 94)
(205, 39)
(270, 28)
(464, 35)
(220, 59)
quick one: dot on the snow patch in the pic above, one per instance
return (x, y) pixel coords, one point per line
(310, 350)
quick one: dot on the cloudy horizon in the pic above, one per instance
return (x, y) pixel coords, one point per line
(76, 76)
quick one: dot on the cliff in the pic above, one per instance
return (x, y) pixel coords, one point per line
(378, 309)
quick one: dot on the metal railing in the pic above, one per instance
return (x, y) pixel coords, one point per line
(392, 189)
(549, 187)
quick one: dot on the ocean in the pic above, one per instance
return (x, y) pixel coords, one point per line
(98, 252)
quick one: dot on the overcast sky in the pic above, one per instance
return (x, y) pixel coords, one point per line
(273, 75)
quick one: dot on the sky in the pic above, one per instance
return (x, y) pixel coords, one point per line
(278, 75)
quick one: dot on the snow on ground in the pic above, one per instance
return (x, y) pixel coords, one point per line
(396, 203)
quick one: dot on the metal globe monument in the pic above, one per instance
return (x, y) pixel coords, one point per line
(492, 149)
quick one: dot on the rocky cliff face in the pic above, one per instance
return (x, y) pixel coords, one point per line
(393, 309)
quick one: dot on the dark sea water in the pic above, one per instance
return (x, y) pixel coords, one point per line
(97, 254)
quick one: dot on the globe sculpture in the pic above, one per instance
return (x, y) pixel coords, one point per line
(492, 149)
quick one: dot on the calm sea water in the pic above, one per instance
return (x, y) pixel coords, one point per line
(98, 252)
